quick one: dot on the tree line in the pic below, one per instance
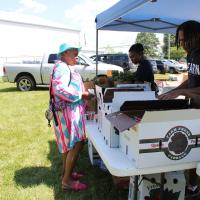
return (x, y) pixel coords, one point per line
(168, 49)
(154, 49)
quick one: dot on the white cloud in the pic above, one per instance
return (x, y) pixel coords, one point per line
(31, 6)
(83, 14)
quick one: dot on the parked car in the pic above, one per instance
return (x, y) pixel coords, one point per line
(121, 60)
(27, 76)
(161, 66)
(154, 65)
(182, 67)
(173, 66)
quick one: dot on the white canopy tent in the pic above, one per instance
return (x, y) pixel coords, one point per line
(157, 16)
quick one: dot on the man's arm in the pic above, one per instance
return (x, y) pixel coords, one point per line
(193, 93)
(183, 85)
(172, 94)
(195, 90)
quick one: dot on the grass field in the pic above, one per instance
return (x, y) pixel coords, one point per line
(30, 164)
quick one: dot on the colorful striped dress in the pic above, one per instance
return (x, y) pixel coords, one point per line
(67, 89)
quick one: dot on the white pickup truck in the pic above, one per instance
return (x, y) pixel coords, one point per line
(27, 76)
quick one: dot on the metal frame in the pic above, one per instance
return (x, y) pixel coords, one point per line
(162, 178)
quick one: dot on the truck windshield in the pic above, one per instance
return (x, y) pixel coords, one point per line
(87, 60)
(53, 58)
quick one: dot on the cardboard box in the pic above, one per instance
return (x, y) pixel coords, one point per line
(91, 105)
(110, 132)
(110, 99)
(110, 135)
(174, 186)
(158, 133)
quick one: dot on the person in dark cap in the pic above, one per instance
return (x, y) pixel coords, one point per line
(144, 71)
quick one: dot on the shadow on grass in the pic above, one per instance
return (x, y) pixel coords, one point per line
(9, 89)
(100, 182)
(42, 88)
(14, 89)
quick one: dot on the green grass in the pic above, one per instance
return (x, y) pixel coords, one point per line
(30, 165)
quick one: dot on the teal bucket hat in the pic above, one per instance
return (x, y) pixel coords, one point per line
(65, 46)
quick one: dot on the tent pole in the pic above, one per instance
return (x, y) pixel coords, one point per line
(97, 40)
(169, 46)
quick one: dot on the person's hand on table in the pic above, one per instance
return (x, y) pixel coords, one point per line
(171, 94)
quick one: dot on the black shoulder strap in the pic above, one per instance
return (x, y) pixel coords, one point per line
(51, 98)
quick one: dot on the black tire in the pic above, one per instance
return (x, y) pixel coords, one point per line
(172, 71)
(162, 71)
(25, 83)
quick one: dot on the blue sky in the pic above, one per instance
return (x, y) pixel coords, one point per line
(71, 13)
(48, 9)
(74, 14)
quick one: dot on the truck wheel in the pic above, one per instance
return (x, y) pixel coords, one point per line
(25, 83)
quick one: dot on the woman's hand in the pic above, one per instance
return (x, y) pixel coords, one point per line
(86, 95)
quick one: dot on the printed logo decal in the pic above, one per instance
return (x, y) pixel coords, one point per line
(177, 139)
(154, 194)
(176, 144)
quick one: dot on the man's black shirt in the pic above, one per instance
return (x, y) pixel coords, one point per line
(193, 60)
(144, 72)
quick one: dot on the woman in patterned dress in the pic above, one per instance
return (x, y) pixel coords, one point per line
(68, 94)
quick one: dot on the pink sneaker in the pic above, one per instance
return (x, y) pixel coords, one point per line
(76, 175)
(75, 185)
